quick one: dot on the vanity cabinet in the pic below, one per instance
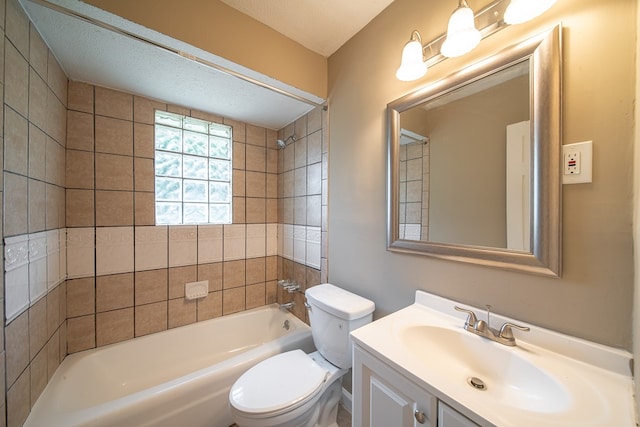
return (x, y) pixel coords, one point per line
(382, 397)
(420, 367)
(449, 417)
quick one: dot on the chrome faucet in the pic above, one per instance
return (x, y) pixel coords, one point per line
(289, 285)
(287, 305)
(480, 327)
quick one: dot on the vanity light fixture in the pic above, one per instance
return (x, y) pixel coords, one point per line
(520, 11)
(464, 32)
(412, 66)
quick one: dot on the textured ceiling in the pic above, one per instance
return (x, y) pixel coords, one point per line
(92, 52)
(320, 25)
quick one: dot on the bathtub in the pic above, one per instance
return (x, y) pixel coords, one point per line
(180, 377)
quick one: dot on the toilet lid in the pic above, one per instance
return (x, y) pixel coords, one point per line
(284, 381)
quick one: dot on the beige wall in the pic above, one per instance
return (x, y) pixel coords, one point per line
(593, 299)
(217, 28)
(636, 222)
(468, 191)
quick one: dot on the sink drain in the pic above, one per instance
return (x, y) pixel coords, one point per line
(476, 383)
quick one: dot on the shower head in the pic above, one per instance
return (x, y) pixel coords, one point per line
(283, 143)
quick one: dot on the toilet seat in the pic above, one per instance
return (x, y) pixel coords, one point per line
(278, 384)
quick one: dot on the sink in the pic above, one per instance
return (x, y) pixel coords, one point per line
(547, 379)
(508, 378)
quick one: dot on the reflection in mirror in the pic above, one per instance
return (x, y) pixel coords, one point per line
(455, 167)
(474, 162)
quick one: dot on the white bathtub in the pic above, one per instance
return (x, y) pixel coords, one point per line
(180, 377)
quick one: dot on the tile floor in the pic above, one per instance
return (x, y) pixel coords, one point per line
(344, 417)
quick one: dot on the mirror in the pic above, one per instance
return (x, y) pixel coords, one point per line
(474, 162)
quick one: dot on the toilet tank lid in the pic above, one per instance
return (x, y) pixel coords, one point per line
(339, 302)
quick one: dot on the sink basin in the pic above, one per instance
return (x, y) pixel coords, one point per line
(548, 379)
(508, 378)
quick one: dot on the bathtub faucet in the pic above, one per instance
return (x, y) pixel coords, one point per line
(287, 306)
(289, 285)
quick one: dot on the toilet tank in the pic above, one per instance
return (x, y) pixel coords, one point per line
(333, 314)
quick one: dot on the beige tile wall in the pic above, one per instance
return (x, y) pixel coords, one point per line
(79, 158)
(139, 288)
(33, 180)
(414, 189)
(110, 198)
(303, 196)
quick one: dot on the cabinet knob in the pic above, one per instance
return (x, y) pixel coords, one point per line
(420, 416)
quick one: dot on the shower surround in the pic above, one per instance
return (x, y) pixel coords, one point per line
(79, 165)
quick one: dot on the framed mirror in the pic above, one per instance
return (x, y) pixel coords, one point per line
(474, 162)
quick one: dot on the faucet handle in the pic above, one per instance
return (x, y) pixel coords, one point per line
(507, 333)
(289, 285)
(471, 318)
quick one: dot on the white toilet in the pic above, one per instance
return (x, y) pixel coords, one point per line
(295, 389)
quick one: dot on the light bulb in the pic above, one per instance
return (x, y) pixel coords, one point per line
(462, 34)
(520, 11)
(412, 66)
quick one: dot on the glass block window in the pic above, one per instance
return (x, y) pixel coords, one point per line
(193, 170)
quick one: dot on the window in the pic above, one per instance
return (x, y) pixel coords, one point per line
(193, 170)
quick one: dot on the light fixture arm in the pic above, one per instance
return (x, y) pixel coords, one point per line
(415, 36)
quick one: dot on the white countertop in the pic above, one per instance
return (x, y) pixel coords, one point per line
(548, 379)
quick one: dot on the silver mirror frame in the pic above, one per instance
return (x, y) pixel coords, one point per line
(545, 258)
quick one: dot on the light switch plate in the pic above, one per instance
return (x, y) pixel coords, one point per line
(577, 163)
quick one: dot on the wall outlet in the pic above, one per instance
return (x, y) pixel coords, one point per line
(572, 162)
(577, 162)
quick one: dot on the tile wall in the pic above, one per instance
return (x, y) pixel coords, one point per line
(33, 184)
(133, 283)
(414, 191)
(85, 266)
(303, 201)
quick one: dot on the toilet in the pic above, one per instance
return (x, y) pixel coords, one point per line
(295, 389)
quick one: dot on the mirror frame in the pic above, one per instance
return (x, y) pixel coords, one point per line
(545, 256)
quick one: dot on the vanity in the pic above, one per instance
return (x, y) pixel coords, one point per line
(420, 366)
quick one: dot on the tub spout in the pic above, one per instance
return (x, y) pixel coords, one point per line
(287, 306)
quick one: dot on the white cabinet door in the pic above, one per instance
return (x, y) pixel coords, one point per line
(449, 417)
(389, 406)
(384, 398)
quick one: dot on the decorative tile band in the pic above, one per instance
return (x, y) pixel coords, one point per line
(16, 252)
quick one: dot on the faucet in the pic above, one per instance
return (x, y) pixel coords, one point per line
(480, 327)
(289, 285)
(287, 305)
